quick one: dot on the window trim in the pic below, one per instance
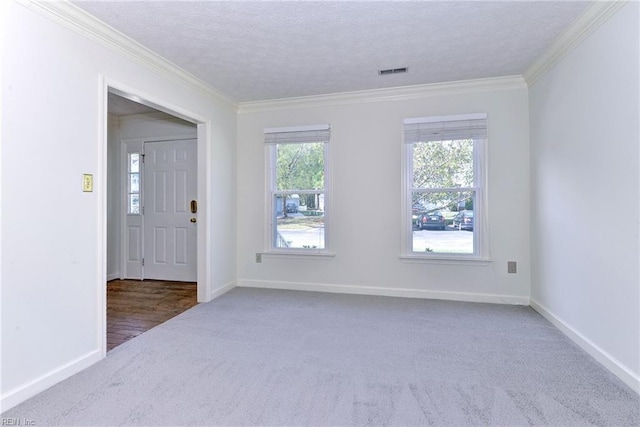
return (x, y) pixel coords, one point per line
(480, 253)
(270, 248)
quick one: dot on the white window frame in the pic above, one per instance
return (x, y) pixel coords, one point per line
(480, 240)
(272, 191)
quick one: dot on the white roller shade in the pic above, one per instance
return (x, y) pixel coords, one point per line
(445, 128)
(297, 135)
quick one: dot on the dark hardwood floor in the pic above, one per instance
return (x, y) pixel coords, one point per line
(135, 306)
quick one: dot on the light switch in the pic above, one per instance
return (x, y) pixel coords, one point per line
(87, 182)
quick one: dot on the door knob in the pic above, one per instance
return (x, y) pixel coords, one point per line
(193, 220)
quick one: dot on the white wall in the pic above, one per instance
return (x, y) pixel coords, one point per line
(114, 203)
(154, 125)
(53, 255)
(134, 126)
(366, 145)
(585, 194)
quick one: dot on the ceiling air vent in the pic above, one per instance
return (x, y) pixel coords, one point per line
(393, 71)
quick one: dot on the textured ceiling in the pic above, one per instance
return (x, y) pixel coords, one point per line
(278, 49)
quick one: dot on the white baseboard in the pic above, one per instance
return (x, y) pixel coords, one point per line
(113, 276)
(604, 358)
(383, 291)
(33, 387)
(221, 290)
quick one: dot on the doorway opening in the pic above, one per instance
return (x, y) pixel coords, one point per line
(152, 217)
(134, 306)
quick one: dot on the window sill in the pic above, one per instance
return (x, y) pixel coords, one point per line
(299, 254)
(446, 260)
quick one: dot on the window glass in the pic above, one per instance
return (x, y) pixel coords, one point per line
(133, 184)
(434, 222)
(134, 203)
(300, 166)
(134, 162)
(443, 164)
(299, 221)
(298, 201)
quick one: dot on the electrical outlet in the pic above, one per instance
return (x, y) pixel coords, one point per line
(258, 257)
(511, 267)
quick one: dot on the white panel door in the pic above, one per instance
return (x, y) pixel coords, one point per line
(170, 178)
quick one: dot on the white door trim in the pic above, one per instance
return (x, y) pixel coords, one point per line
(204, 172)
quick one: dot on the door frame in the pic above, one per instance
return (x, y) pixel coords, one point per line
(203, 141)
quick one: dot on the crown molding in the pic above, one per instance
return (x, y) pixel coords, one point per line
(596, 14)
(387, 94)
(86, 25)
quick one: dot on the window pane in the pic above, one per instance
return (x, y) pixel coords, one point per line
(443, 164)
(300, 166)
(443, 222)
(134, 203)
(134, 183)
(134, 162)
(299, 221)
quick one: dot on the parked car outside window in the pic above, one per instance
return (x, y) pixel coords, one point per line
(464, 220)
(292, 208)
(431, 220)
(416, 210)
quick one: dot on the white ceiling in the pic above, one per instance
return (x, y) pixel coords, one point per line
(258, 50)
(121, 106)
